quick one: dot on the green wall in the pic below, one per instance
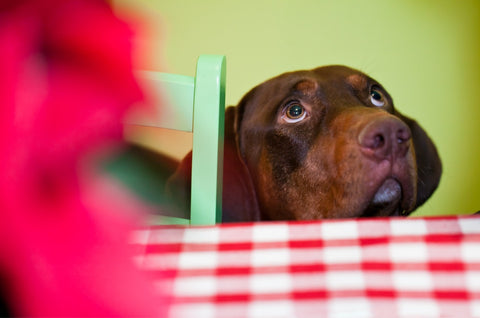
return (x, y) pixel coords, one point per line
(426, 53)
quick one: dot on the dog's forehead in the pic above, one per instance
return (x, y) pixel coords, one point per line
(324, 77)
(353, 77)
(325, 82)
(337, 71)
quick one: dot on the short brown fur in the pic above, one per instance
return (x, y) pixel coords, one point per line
(346, 158)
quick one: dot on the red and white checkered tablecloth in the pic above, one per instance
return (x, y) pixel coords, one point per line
(388, 267)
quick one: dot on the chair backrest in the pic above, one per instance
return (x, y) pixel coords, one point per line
(197, 105)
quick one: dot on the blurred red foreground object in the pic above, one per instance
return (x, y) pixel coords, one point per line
(65, 82)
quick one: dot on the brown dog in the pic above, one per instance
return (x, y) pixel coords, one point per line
(324, 143)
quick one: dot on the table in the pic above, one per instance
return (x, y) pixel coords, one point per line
(385, 267)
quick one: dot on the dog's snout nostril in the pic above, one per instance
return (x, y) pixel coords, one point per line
(378, 141)
(403, 135)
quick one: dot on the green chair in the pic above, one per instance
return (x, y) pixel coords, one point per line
(197, 105)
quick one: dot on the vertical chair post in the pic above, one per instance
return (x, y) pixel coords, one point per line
(208, 127)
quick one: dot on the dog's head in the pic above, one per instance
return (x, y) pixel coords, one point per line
(329, 143)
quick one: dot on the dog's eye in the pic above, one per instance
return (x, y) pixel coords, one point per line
(294, 113)
(376, 97)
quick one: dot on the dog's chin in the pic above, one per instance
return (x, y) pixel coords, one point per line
(387, 200)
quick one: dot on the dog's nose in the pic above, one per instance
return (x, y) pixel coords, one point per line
(385, 138)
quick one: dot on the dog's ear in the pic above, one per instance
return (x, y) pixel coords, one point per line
(429, 165)
(239, 198)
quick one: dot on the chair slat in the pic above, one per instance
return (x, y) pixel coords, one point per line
(174, 94)
(207, 153)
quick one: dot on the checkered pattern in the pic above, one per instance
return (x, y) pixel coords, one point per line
(392, 267)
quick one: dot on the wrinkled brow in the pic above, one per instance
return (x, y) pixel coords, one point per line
(306, 86)
(357, 81)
